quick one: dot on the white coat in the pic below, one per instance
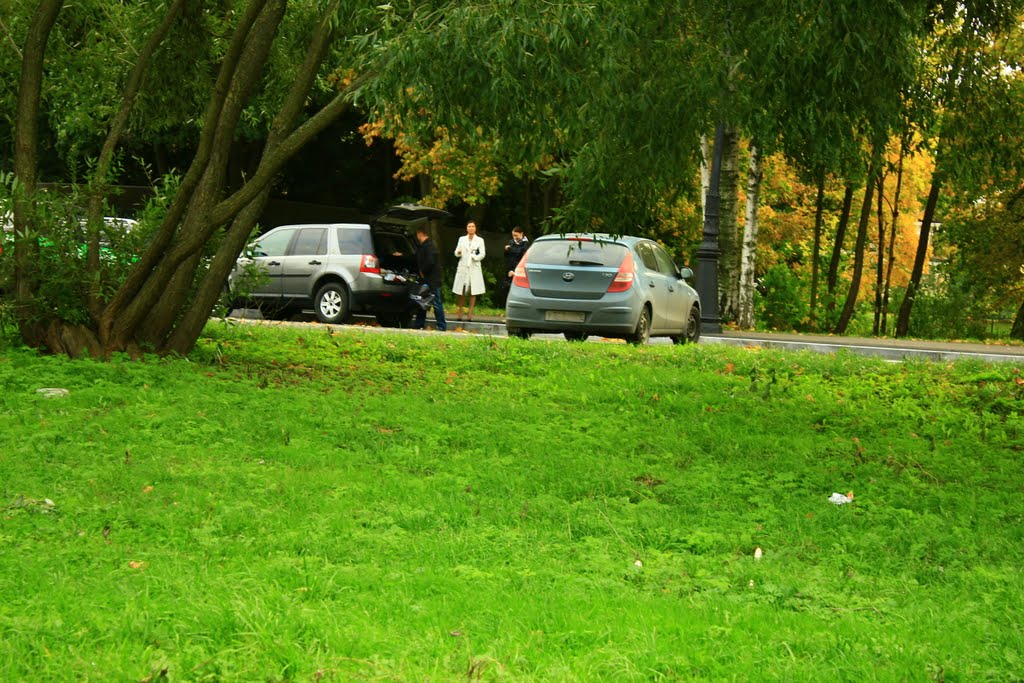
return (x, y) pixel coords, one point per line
(470, 273)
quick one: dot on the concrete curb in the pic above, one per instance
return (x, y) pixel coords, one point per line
(888, 352)
(888, 349)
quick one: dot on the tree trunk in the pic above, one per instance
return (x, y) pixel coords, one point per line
(858, 255)
(100, 184)
(191, 326)
(114, 327)
(157, 306)
(527, 223)
(1017, 331)
(747, 261)
(187, 331)
(880, 260)
(705, 174)
(25, 148)
(893, 227)
(837, 247)
(816, 249)
(903, 320)
(162, 305)
(729, 236)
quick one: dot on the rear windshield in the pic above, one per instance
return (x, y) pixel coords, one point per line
(571, 252)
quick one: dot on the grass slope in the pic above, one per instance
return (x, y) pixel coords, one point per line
(291, 504)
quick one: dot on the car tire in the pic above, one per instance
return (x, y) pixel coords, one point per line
(519, 332)
(643, 328)
(331, 303)
(692, 333)
(576, 336)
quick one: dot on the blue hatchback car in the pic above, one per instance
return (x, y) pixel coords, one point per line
(583, 284)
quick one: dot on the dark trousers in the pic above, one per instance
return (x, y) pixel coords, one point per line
(438, 304)
(503, 290)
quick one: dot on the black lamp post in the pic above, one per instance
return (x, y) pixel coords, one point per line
(708, 253)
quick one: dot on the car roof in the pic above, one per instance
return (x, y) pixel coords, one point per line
(351, 226)
(594, 236)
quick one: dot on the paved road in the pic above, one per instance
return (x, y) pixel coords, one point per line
(891, 349)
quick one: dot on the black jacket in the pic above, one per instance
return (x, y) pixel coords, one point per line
(514, 253)
(428, 264)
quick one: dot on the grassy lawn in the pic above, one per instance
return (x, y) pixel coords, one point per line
(291, 504)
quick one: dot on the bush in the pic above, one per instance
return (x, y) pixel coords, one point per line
(780, 302)
(944, 313)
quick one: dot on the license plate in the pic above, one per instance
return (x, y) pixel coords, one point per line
(564, 316)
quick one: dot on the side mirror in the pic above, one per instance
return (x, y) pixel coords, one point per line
(685, 273)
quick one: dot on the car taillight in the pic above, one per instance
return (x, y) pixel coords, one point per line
(624, 278)
(519, 278)
(369, 264)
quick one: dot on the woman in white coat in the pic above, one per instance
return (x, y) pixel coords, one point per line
(469, 278)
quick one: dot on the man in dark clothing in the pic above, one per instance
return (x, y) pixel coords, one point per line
(514, 251)
(430, 271)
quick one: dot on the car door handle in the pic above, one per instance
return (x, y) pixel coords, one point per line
(274, 263)
(314, 262)
(671, 288)
(650, 284)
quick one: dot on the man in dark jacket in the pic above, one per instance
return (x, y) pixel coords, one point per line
(514, 251)
(430, 271)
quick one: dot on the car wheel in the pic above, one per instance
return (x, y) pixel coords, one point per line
(519, 332)
(692, 334)
(331, 303)
(643, 328)
(576, 336)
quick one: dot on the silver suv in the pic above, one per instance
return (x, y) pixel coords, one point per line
(335, 268)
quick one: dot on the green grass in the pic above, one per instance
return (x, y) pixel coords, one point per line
(291, 504)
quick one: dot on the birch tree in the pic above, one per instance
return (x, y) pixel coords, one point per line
(748, 258)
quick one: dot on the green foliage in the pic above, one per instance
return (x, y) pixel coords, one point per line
(302, 504)
(947, 312)
(780, 301)
(60, 267)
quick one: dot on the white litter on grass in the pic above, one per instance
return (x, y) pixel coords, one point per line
(757, 553)
(840, 499)
(52, 392)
